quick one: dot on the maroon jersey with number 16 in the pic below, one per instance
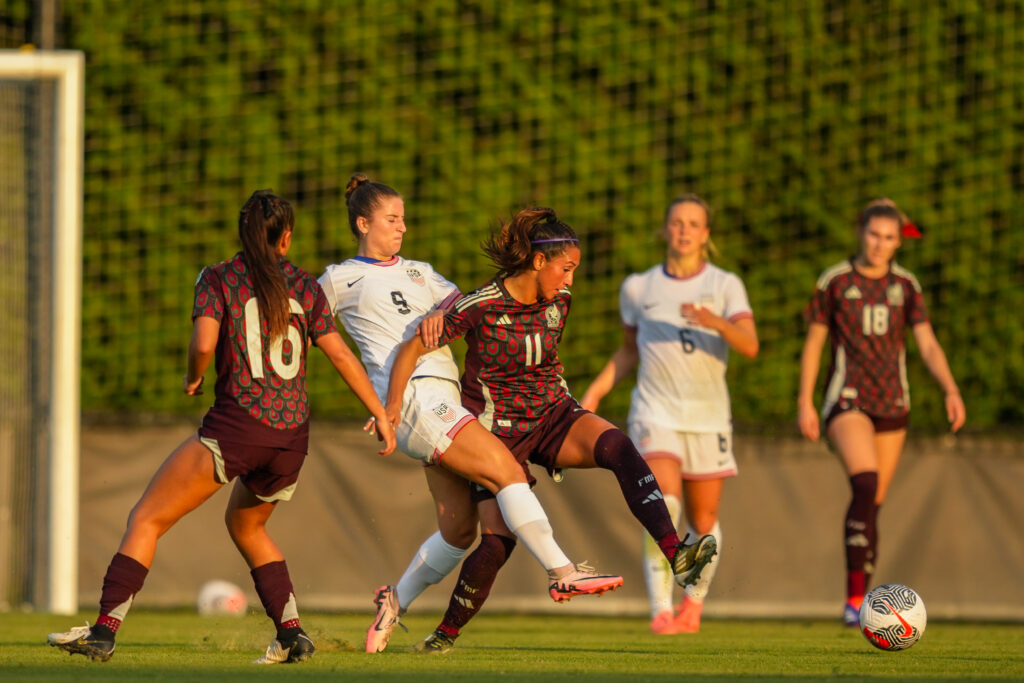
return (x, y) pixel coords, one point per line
(513, 377)
(867, 320)
(261, 387)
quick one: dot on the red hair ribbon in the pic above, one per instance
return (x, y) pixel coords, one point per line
(910, 230)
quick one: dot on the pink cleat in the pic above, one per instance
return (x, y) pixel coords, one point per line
(583, 580)
(664, 624)
(688, 617)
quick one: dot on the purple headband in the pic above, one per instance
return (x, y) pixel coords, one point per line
(555, 239)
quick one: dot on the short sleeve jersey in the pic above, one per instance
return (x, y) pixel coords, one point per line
(512, 377)
(867, 320)
(681, 377)
(380, 304)
(266, 379)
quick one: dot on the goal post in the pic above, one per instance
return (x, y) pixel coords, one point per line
(53, 557)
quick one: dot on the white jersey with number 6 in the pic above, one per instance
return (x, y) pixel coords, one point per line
(681, 379)
(380, 303)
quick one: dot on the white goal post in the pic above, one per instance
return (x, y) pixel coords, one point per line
(65, 70)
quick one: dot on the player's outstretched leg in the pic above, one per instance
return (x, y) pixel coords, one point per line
(582, 580)
(689, 560)
(96, 642)
(388, 613)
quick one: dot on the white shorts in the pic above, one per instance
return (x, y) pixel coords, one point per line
(701, 455)
(432, 414)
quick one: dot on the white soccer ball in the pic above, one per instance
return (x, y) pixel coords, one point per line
(892, 617)
(221, 597)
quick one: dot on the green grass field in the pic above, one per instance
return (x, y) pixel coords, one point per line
(178, 646)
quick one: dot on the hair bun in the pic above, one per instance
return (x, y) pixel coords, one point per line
(355, 181)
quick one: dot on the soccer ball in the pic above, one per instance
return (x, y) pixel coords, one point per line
(892, 617)
(221, 597)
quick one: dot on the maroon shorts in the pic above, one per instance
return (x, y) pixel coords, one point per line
(882, 424)
(266, 460)
(541, 445)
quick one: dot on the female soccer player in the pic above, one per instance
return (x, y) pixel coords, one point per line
(680, 319)
(381, 299)
(513, 384)
(257, 313)
(865, 304)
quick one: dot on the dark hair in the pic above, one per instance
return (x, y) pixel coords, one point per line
(264, 219)
(709, 248)
(532, 230)
(363, 197)
(882, 207)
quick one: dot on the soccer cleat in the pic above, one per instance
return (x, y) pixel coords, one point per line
(663, 624)
(851, 612)
(80, 640)
(379, 633)
(297, 649)
(690, 560)
(583, 580)
(688, 617)
(437, 643)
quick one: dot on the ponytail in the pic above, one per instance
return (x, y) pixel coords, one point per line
(262, 222)
(532, 230)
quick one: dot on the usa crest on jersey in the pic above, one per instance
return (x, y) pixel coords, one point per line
(416, 276)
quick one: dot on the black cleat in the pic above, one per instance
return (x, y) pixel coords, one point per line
(437, 643)
(93, 642)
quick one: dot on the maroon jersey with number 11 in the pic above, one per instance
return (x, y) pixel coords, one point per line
(513, 377)
(867, 320)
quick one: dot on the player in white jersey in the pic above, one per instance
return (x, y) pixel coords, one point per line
(680, 319)
(382, 300)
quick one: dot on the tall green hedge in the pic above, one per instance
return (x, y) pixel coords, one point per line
(786, 116)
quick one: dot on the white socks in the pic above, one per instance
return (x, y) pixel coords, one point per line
(657, 571)
(435, 559)
(699, 590)
(526, 518)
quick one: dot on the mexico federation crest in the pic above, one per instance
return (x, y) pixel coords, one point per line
(894, 295)
(553, 317)
(445, 412)
(415, 275)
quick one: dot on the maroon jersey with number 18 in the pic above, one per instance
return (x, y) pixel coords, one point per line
(867, 320)
(513, 377)
(261, 387)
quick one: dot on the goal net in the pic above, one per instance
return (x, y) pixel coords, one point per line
(41, 108)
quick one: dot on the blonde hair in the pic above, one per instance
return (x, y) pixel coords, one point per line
(708, 249)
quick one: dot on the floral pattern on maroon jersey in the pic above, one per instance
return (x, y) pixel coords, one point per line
(868, 318)
(512, 355)
(221, 293)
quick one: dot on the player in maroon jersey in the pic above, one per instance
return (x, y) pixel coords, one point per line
(865, 305)
(513, 383)
(258, 314)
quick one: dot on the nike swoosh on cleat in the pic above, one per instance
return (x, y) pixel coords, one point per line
(356, 280)
(908, 630)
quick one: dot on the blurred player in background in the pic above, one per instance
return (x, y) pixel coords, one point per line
(258, 313)
(680, 318)
(382, 299)
(513, 383)
(865, 304)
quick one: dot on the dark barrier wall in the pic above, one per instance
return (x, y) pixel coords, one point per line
(786, 116)
(951, 529)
